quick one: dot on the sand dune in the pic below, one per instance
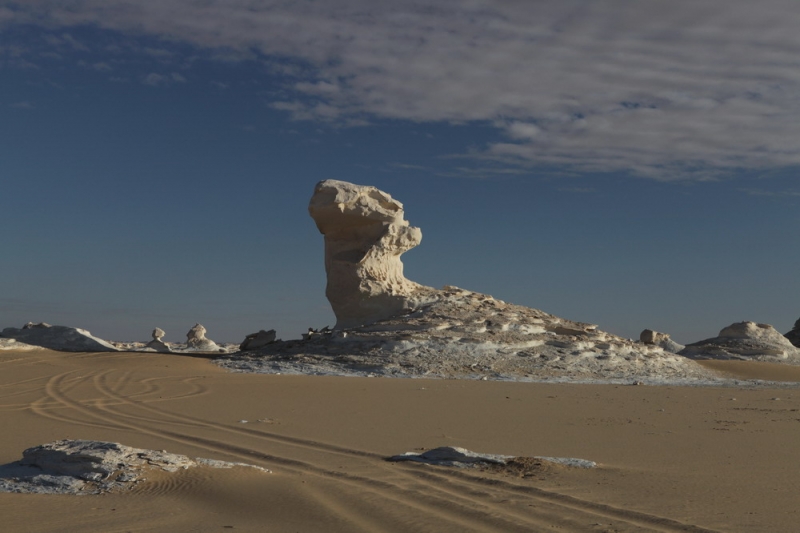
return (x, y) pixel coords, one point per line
(670, 458)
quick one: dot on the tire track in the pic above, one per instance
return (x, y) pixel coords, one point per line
(445, 477)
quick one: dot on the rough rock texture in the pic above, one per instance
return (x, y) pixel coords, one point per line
(196, 340)
(663, 340)
(158, 334)
(794, 335)
(365, 234)
(91, 467)
(257, 340)
(461, 457)
(464, 334)
(747, 341)
(61, 338)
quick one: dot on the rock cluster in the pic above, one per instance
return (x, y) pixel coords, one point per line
(365, 235)
(461, 457)
(91, 467)
(61, 338)
(747, 341)
(794, 335)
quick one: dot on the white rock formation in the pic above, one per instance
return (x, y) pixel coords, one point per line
(196, 340)
(60, 338)
(747, 341)
(13, 345)
(794, 335)
(465, 334)
(365, 235)
(91, 467)
(663, 340)
(257, 340)
(157, 344)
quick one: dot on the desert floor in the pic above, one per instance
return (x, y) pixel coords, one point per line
(670, 458)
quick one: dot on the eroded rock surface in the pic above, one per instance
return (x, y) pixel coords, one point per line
(465, 334)
(91, 467)
(60, 338)
(746, 341)
(157, 344)
(365, 235)
(794, 335)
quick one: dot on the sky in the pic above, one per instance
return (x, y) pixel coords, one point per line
(624, 163)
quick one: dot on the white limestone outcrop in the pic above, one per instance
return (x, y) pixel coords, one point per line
(157, 344)
(91, 467)
(365, 235)
(746, 341)
(196, 340)
(663, 340)
(60, 338)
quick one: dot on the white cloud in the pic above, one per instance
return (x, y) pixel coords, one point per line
(663, 88)
(22, 105)
(158, 80)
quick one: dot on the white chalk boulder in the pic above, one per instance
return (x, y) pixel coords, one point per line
(746, 341)
(60, 338)
(365, 235)
(656, 338)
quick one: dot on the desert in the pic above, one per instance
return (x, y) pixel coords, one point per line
(422, 410)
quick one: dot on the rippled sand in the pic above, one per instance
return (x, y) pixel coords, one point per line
(671, 458)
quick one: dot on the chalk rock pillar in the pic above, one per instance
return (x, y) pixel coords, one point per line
(365, 235)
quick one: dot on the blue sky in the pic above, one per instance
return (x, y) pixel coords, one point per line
(629, 164)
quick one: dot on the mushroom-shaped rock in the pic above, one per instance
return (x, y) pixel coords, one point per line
(196, 340)
(745, 340)
(794, 335)
(365, 235)
(663, 340)
(157, 344)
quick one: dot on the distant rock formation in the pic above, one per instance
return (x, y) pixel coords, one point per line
(747, 341)
(257, 340)
(794, 335)
(91, 467)
(365, 235)
(60, 338)
(157, 344)
(663, 340)
(196, 340)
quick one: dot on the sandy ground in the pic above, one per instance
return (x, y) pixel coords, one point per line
(671, 458)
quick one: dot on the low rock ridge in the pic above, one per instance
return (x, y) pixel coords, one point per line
(60, 338)
(749, 341)
(92, 467)
(466, 334)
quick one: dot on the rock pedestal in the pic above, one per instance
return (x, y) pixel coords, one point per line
(365, 235)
